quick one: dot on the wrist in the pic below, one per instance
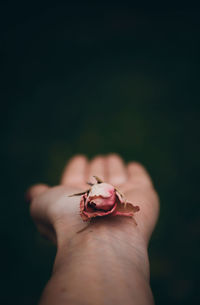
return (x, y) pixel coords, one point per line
(102, 237)
(106, 263)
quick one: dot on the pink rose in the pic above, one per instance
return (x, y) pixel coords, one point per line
(103, 199)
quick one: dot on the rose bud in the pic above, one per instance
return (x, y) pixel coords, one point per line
(104, 199)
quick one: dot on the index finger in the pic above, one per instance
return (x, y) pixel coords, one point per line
(75, 172)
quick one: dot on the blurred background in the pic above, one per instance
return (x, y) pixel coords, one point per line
(100, 78)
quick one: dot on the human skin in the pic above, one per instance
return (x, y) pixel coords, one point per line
(104, 261)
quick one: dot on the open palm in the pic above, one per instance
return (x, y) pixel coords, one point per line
(57, 215)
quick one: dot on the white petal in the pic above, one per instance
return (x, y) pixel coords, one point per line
(102, 189)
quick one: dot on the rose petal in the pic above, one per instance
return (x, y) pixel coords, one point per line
(86, 215)
(119, 196)
(82, 202)
(127, 209)
(102, 189)
(101, 203)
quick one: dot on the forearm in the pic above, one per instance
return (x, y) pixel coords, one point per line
(101, 265)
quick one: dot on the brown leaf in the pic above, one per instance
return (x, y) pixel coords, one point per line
(79, 194)
(98, 179)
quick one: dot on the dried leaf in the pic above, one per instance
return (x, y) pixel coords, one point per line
(98, 179)
(79, 194)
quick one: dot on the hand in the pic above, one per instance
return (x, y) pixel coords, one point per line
(107, 262)
(57, 216)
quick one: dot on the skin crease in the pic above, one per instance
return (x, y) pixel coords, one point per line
(105, 261)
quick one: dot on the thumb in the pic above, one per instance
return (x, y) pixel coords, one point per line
(35, 191)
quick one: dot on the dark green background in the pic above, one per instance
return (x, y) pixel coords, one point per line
(96, 79)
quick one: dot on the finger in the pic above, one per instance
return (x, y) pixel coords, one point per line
(97, 168)
(75, 172)
(137, 175)
(116, 170)
(34, 191)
